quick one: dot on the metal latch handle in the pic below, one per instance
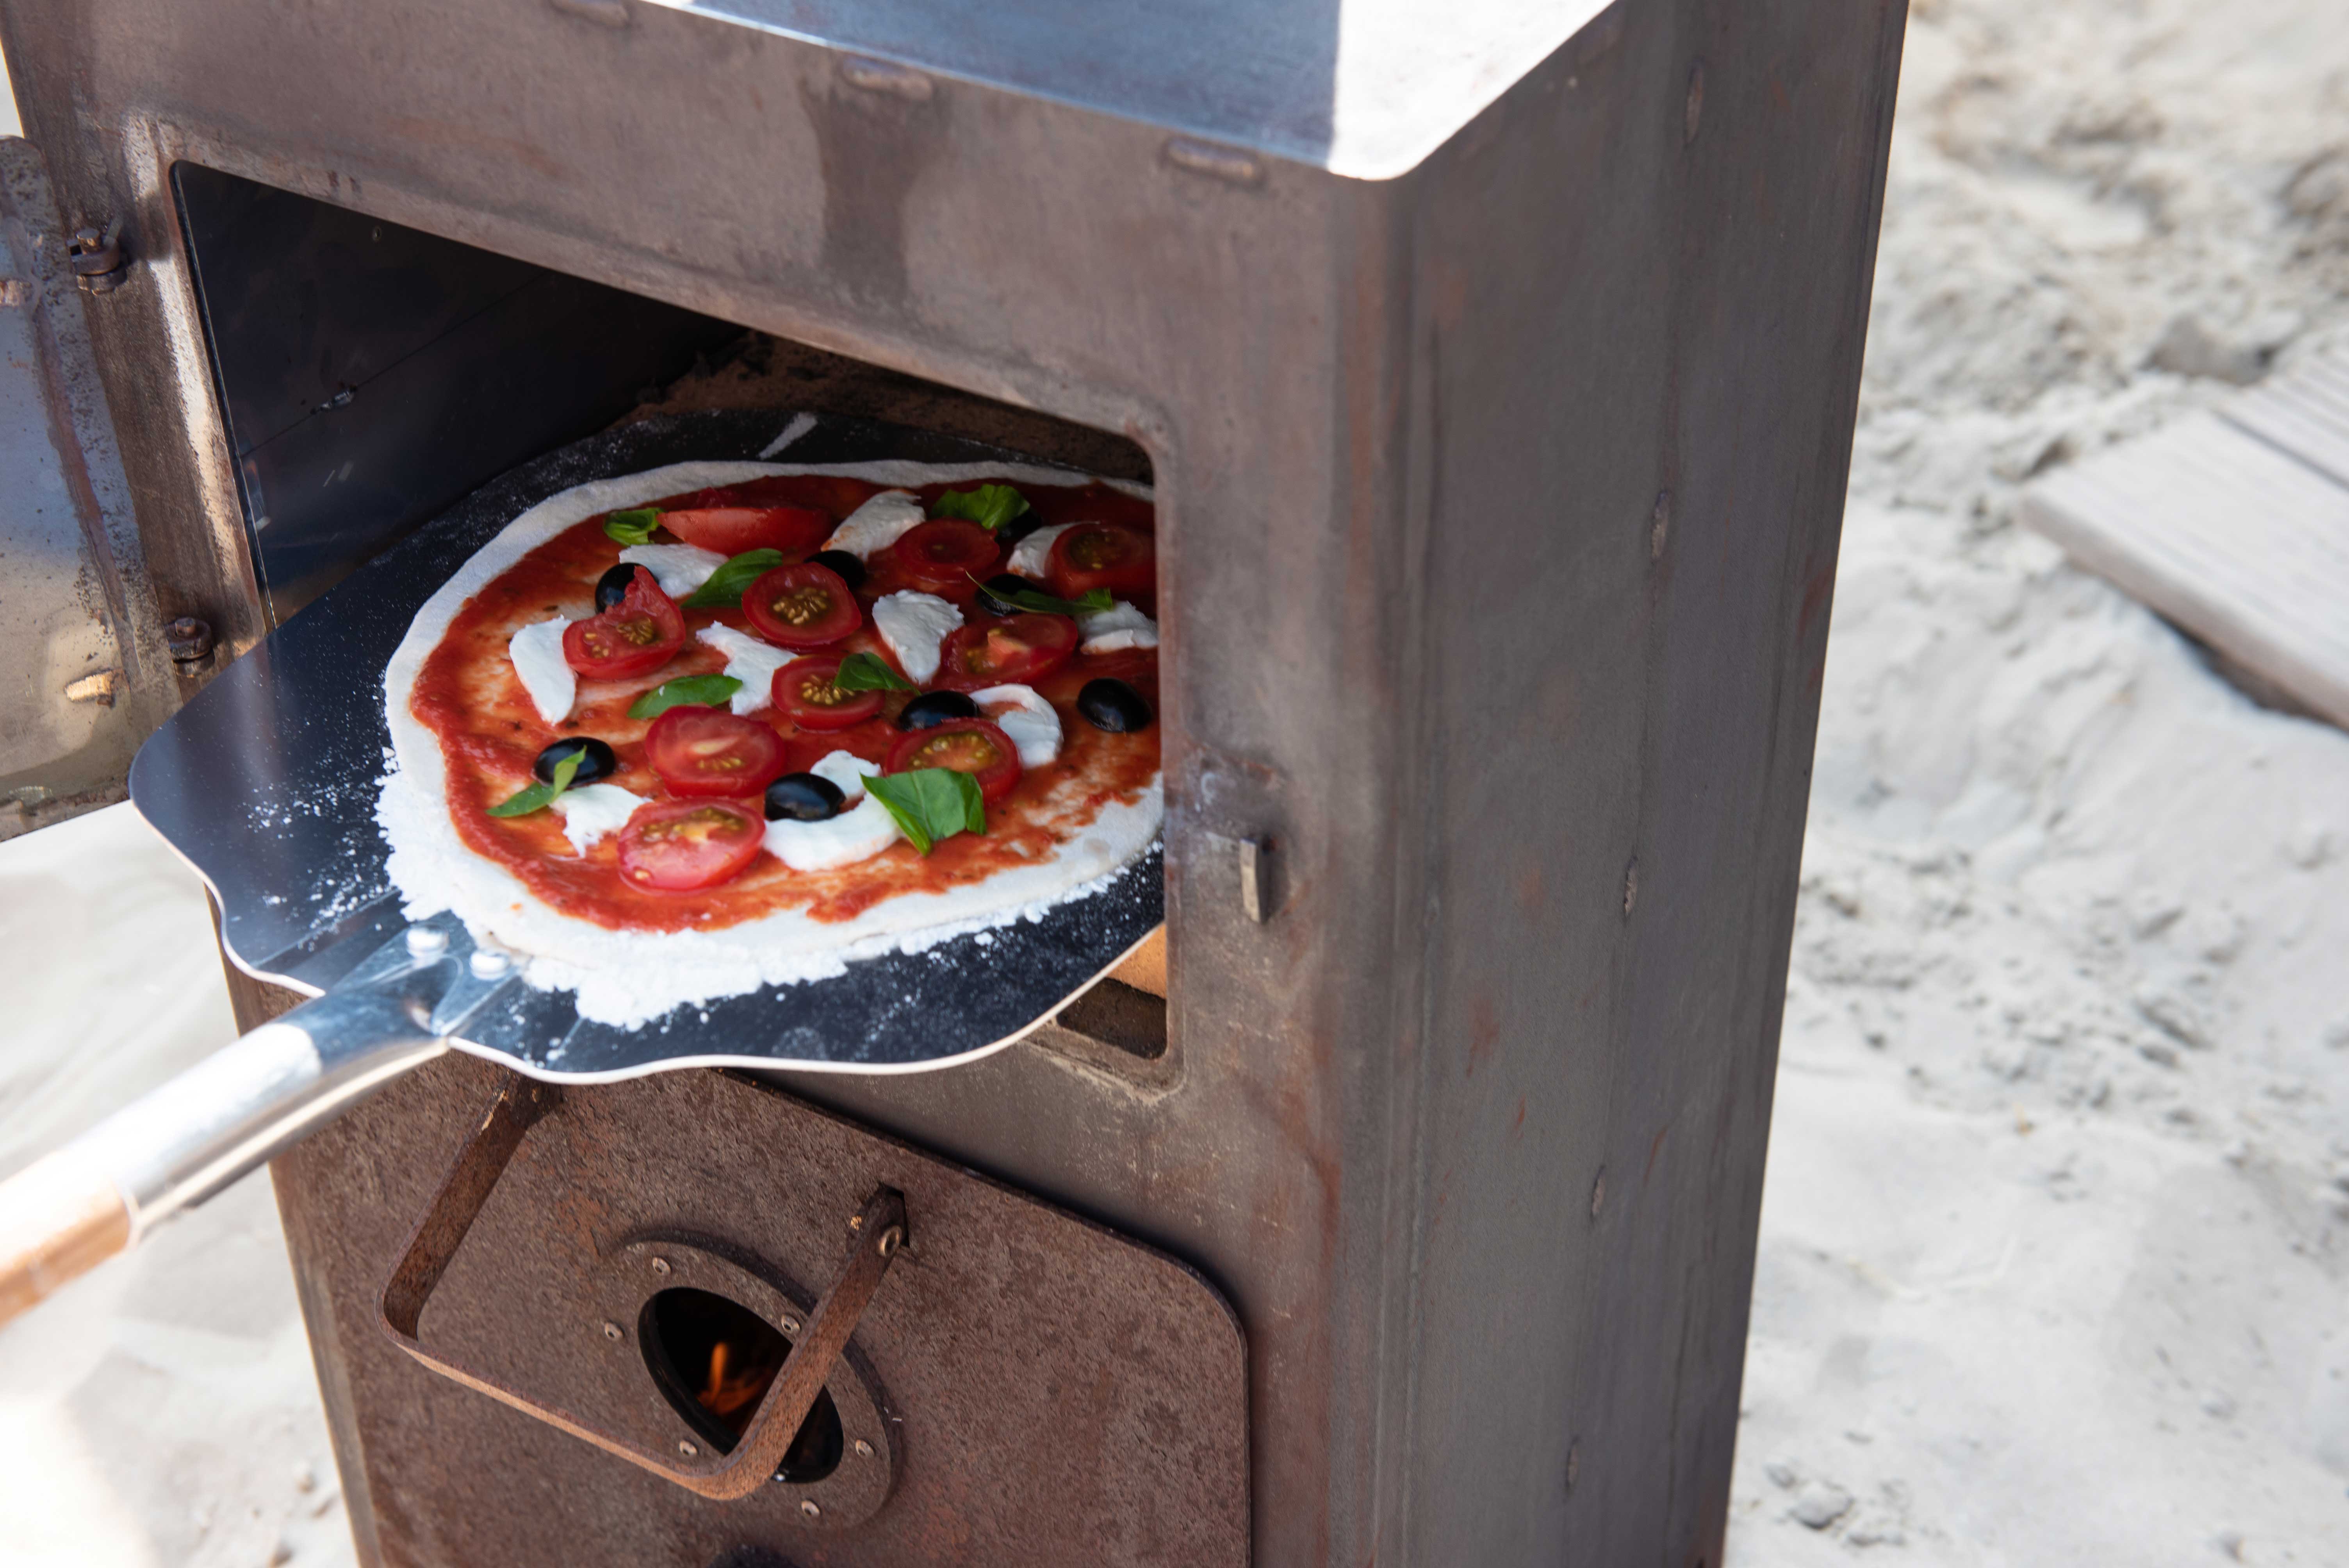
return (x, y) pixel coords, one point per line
(874, 1235)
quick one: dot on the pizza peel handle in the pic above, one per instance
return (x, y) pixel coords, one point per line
(104, 1191)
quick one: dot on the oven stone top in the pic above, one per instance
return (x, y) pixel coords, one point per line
(1363, 88)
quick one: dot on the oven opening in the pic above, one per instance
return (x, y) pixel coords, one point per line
(714, 1359)
(370, 375)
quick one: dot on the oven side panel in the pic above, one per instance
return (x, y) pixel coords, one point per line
(1636, 342)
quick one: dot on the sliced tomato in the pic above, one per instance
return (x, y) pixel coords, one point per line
(969, 746)
(634, 637)
(945, 552)
(1024, 648)
(709, 751)
(731, 529)
(802, 606)
(803, 693)
(1102, 555)
(677, 846)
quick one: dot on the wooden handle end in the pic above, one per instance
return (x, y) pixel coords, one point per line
(60, 1218)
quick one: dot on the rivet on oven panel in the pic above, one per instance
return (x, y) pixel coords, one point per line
(790, 1323)
(188, 640)
(688, 1450)
(425, 944)
(1227, 164)
(489, 964)
(890, 1238)
(807, 1506)
(611, 1331)
(864, 1450)
(881, 76)
(660, 1265)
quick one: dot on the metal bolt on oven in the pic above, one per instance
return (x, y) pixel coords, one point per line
(1496, 387)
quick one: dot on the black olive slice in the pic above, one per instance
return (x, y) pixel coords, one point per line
(1113, 706)
(613, 585)
(595, 760)
(803, 797)
(1000, 583)
(841, 564)
(935, 707)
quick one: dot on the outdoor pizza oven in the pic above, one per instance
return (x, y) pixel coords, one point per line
(1494, 371)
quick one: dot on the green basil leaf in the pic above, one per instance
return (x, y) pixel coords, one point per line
(539, 797)
(864, 672)
(724, 589)
(632, 527)
(930, 804)
(1093, 603)
(702, 691)
(989, 505)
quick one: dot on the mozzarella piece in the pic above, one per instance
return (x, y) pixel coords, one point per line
(1026, 718)
(858, 833)
(1029, 555)
(1117, 628)
(593, 811)
(876, 525)
(750, 661)
(537, 654)
(913, 624)
(679, 569)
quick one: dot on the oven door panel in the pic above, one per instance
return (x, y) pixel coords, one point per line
(76, 696)
(1047, 1392)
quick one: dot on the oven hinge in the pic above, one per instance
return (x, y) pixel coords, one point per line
(99, 262)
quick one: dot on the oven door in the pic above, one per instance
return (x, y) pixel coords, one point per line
(84, 679)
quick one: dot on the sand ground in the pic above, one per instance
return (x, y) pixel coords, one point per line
(2054, 1263)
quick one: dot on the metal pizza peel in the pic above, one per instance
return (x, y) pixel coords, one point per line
(266, 784)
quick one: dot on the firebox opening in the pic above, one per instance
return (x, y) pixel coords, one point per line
(713, 1359)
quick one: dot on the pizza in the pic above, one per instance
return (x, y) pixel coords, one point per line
(673, 737)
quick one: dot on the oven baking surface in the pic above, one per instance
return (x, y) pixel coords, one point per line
(266, 783)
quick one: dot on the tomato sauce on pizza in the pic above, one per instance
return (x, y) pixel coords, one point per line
(492, 733)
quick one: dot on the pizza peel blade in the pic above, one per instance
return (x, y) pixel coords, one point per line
(266, 785)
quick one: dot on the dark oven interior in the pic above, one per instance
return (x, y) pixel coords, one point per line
(369, 375)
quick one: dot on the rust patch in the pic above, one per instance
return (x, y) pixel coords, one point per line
(441, 133)
(1531, 890)
(1655, 1147)
(1517, 1122)
(1817, 592)
(1484, 1033)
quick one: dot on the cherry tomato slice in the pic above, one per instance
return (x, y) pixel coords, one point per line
(1024, 648)
(678, 846)
(803, 693)
(969, 746)
(709, 751)
(1102, 555)
(634, 637)
(939, 553)
(802, 606)
(731, 529)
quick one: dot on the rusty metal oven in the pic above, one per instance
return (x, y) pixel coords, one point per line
(1496, 380)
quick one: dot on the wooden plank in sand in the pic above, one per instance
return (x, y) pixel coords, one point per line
(2241, 538)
